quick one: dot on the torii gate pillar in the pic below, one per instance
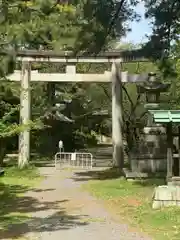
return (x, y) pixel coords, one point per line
(117, 116)
(25, 112)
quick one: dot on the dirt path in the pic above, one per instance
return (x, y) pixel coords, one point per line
(64, 211)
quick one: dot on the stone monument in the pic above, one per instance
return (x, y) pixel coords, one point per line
(149, 153)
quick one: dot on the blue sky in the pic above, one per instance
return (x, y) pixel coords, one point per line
(139, 29)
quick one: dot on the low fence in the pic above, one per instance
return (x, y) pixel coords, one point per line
(74, 159)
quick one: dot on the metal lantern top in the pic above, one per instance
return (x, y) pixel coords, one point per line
(153, 88)
(153, 85)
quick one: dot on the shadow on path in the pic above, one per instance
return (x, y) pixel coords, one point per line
(110, 173)
(16, 210)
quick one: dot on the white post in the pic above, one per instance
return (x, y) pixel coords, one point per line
(71, 69)
(117, 117)
(25, 103)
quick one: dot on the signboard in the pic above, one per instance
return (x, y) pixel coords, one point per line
(73, 156)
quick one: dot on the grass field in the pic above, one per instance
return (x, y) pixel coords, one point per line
(130, 202)
(13, 204)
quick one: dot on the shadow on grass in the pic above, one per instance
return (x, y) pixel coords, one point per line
(42, 161)
(43, 190)
(150, 182)
(114, 173)
(36, 160)
(16, 207)
(111, 173)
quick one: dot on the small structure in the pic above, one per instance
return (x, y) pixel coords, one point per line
(149, 153)
(169, 195)
(168, 117)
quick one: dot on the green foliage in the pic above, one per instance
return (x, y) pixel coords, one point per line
(8, 111)
(103, 21)
(10, 130)
(51, 24)
(9, 118)
(166, 24)
(13, 185)
(165, 15)
(32, 24)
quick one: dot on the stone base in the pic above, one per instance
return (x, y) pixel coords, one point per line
(149, 165)
(141, 175)
(134, 175)
(150, 152)
(166, 196)
(175, 181)
(154, 130)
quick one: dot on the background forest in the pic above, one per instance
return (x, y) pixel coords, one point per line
(74, 112)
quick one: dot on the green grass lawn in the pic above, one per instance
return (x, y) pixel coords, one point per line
(131, 202)
(13, 202)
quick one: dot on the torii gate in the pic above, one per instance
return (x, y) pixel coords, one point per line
(25, 76)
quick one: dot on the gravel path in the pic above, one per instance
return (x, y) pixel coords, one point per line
(64, 211)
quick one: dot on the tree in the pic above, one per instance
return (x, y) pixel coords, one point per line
(8, 113)
(9, 117)
(59, 24)
(33, 25)
(103, 22)
(163, 44)
(165, 16)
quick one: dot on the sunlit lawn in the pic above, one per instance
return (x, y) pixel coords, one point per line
(130, 202)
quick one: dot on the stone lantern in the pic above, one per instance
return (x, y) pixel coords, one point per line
(152, 90)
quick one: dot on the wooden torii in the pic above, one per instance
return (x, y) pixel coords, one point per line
(25, 76)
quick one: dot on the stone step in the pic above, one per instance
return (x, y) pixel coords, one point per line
(166, 196)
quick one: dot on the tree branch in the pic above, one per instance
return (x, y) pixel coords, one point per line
(142, 115)
(115, 17)
(112, 22)
(128, 96)
(105, 91)
(86, 114)
(137, 102)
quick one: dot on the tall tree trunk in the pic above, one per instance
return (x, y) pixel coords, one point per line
(51, 88)
(2, 151)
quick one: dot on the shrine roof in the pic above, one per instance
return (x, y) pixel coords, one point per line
(165, 116)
